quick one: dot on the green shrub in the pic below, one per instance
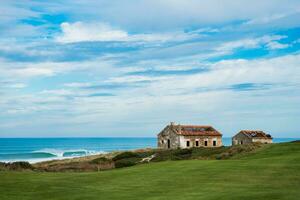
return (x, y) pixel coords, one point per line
(162, 155)
(174, 154)
(181, 154)
(20, 166)
(222, 156)
(205, 152)
(127, 162)
(145, 154)
(126, 154)
(2, 166)
(100, 160)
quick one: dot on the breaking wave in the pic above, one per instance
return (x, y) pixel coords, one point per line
(47, 154)
(68, 153)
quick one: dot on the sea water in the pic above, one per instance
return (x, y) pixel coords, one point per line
(43, 149)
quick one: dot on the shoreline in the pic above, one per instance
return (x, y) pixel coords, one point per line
(57, 154)
(120, 159)
(80, 158)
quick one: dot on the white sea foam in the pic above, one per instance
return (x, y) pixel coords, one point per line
(54, 154)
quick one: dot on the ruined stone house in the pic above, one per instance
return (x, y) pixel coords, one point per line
(186, 136)
(251, 136)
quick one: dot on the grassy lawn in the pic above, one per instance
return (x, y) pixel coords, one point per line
(271, 173)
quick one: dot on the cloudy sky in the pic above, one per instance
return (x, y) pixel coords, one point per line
(128, 67)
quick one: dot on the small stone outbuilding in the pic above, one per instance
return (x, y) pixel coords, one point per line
(251, 136)
(186, 136)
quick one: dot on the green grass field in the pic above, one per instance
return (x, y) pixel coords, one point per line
(271, 173)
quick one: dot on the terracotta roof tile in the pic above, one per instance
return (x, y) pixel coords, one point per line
(255, 134)
(196, 130)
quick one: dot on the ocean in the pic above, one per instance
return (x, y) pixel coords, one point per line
(43, 149)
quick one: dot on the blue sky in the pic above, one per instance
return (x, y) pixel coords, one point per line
(127, 68)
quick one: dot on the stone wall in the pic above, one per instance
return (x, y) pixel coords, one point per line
(180, 141)
(241, 139)
(201, 141)
(262, 140)
(164, 136)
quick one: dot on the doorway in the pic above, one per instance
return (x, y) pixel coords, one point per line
(169, 144)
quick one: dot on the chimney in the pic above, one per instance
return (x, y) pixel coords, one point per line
(172, 123)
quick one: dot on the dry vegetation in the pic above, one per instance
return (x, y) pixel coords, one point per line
(130, 158)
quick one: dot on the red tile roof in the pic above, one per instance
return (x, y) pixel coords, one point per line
(195, 130)
(255, 134)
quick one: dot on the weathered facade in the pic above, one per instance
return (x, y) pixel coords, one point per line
(186, 136)
(251, 136)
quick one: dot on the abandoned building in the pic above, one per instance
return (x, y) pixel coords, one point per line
(250, 136)
(186, 136)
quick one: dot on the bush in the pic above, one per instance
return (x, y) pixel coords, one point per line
(223, 156)
(126, 162)
(2, 166)
(219, 157)
(100, 160)
(181, 154)
(20, 166)
(127, 154)
(204, 152)
(162, 155)
(145, 154)
(177, 154)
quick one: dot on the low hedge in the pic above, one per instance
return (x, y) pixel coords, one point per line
(20, 165)
(16, 166)
(127, 162)
(100, 160)
(126, 154)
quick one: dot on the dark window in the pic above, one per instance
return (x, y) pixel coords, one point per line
(241, 141)
(162, 141)
(197, 143)
(169, 144)
(205, 143)
(187, 143)
(214, 143)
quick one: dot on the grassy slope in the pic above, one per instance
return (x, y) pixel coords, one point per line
(271, 173)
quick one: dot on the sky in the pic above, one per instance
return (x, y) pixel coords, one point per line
(127, 68)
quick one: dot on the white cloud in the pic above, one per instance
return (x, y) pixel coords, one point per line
(61, 92)
(251, 43)
(85, 32)
(76, 84)
(170, 14)
(266, 19)
(11, 12)
(179, 98)
(222, 75)
(153, 14)
(19, 71)
(78, 32)
(190, 98)
(11, 84)
(276, 45)
(30, 72)
(18, 85)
